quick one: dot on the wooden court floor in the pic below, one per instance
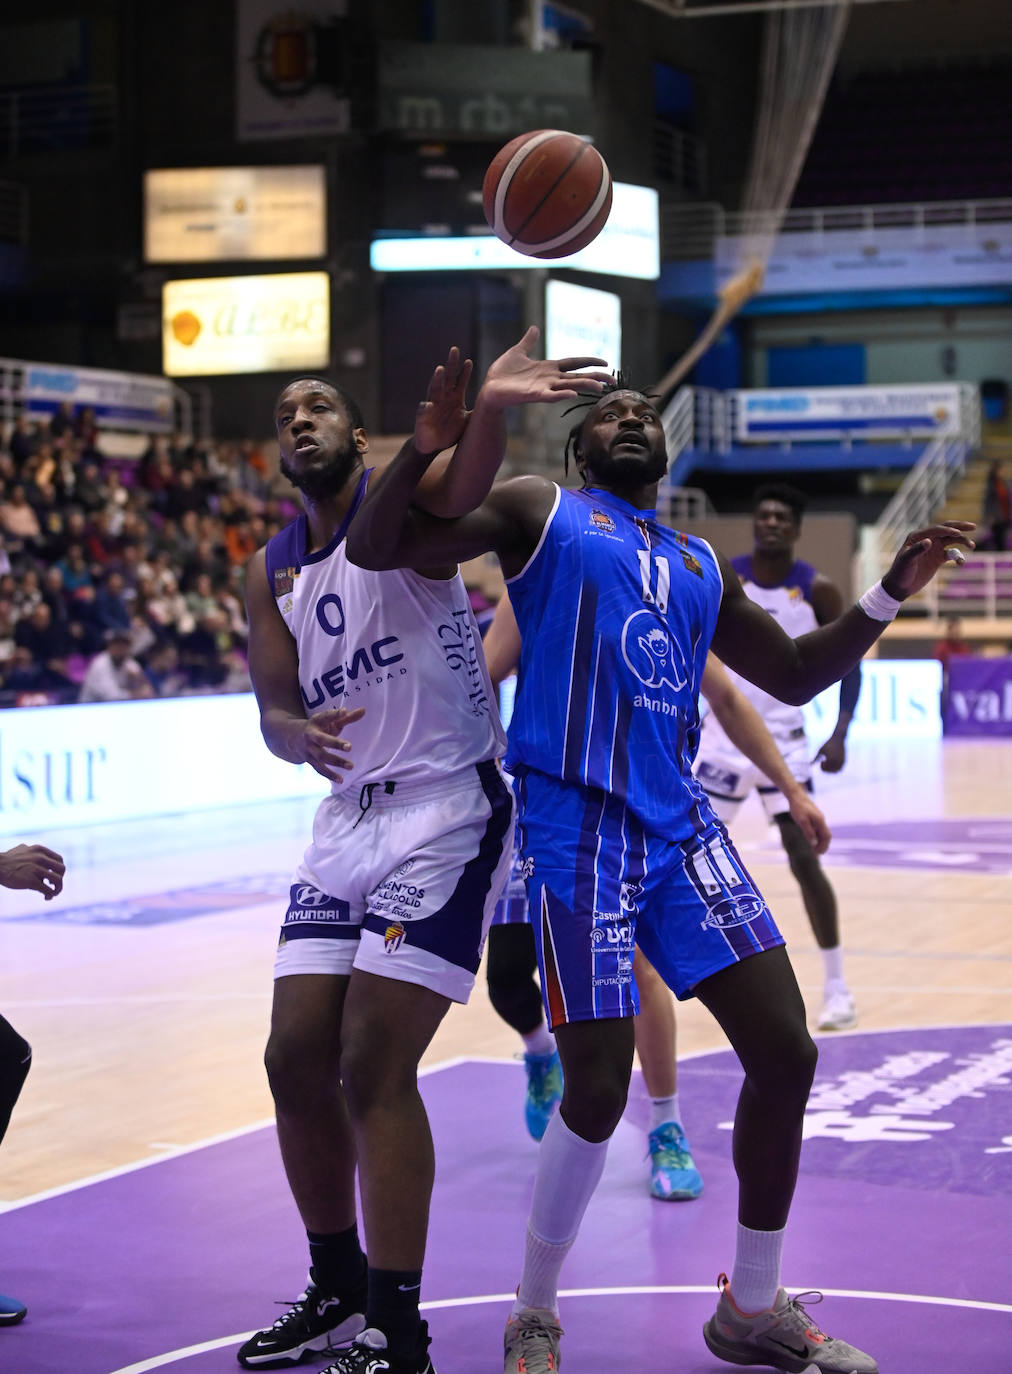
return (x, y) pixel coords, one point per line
(148, 1017)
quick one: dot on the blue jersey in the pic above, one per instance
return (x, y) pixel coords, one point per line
(616, 614)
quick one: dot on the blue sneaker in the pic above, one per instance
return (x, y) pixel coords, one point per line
(673, 1173)
(11, 1311)
(544, 1090)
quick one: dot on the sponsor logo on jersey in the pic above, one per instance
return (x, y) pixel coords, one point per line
(651, 653)
(692, 564)
(733, 911)
(368, 666)
(525, 868)
(284, 582)
(405, 867)
(627, 894)
(393, 937)
(311, 911)
(612, 932)
(602, 521)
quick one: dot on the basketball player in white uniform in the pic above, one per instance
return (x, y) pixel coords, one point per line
(799, 599)
(389, 906)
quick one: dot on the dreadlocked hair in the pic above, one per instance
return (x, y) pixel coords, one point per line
(621, 383)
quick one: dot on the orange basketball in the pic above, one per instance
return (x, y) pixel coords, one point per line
(547, 193)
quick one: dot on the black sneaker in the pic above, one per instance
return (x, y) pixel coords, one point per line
(316, 1321)
(368, 1354)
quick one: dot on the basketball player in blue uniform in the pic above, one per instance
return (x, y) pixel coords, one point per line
(389, 906)
(799, 599)
(621, 846)
(511, 958)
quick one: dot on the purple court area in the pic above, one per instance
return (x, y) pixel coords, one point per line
(903, 1214)
(967, 844)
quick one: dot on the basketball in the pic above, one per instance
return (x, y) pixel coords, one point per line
(547, 193)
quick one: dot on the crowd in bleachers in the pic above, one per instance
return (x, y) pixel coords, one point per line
(122, 579)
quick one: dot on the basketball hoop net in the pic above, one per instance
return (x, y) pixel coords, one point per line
(800, 48)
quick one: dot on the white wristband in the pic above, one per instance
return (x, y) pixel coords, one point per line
(877, 604)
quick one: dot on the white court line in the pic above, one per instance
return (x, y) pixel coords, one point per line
(176, 1151)
(159, 1361)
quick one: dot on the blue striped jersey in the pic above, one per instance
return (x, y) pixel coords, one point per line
(616, 614)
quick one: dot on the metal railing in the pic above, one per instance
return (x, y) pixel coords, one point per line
(679, 158)
(41, 119)
(692, 231)
(679, 505)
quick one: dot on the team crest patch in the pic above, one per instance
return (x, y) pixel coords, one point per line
(393, 937)
(692, 563)
(284, 582)
(602, 521)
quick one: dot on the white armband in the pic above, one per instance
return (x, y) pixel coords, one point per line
(877, 604)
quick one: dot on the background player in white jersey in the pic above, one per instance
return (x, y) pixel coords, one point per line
(389, 906)
(511, 957)
(799, 598)
(616, 615)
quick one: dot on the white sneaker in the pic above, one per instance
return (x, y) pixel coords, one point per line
(838, 1009)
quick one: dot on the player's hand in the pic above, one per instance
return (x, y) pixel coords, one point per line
(833, 755)
(442, 416)
(516, 378)
(922, 554)
(33, 866)
(812, 822)
(326, 749)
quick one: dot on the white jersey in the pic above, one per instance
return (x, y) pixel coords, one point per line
(790, 605)
(405, 647)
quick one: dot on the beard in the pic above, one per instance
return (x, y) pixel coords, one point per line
(639, 471)
(327, 478)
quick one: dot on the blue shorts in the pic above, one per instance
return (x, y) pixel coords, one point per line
(598, 884)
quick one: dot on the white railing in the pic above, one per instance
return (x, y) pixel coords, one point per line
(678, 505)
(692, 231)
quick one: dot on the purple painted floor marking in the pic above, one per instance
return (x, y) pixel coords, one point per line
(968, 844)
(906, 1188)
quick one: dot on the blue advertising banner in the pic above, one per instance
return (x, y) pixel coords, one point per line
(980, 698)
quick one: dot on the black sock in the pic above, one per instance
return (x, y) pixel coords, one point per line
(337, 1260)
(392, 1307)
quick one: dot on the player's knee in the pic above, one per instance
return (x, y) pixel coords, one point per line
(592, 1105)
(375, 1071)
(298, 1073)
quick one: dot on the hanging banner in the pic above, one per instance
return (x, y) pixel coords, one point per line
(979, 702)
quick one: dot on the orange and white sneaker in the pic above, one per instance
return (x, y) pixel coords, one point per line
(531, 1343)
(784, 1337)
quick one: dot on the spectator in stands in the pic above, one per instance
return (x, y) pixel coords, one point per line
(22, 677)
(951, 645)
(50, 646)
(164, 673)
(997, 506)
(7, 641)
(23, 441)
(111, 609)
(62, 420)
(113, 675)
(18, 521)
(74, 569)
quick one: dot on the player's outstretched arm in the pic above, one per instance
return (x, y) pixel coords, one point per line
(750, 641)
(35, 867)
(502, 643)
(459, 483)
(747, 731)
(274, 671)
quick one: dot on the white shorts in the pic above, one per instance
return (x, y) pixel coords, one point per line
(402, 885)
(728, 776)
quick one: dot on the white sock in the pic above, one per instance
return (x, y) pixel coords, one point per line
(664, 1109)
(832, 962)
(755, 1277)
(569, 1169)
(540, 1041)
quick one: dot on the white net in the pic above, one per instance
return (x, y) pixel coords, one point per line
(800, 48)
